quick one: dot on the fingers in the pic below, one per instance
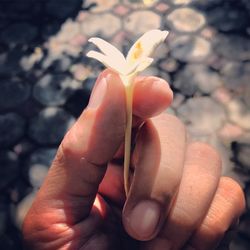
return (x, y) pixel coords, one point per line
(199, 182)
(158, 161)
(205, 207)
(112, 186)
(80, 164)
(152, 95)
(226, 208)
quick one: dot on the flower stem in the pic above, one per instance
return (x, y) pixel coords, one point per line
(128, 132)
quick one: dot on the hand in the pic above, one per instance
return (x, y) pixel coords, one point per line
(177, 198)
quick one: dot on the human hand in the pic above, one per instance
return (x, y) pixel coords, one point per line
(177, 198)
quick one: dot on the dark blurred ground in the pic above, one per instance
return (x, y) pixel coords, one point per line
(45, 82)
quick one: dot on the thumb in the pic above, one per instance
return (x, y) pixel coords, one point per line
(81, 160)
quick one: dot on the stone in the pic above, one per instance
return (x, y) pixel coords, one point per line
(50, 30)
(228, 18)
(80, 72)
(43, 156)
(10, 242)
(224, 152)
(12, 128)
(120, 39)
(247, 193)
(56, 9)
(57, 58)
(244, 226)
(222, 95)
(108, 26)
(162, 7)
(37, 174)
(242, 155)
(197, 78)
(169, 65)
(203, 115)
(55, 89)
(233, 47)
(140, 4)
(82, 14)
(19, 33)
(88, 84)
(13, 93)
(186, 20)
(240, 178)
(238, 113)
(121, 10)
(240, 243)
(9, 168)
(18, 189)
(50, 125)
(236, 76)
(69, 29)
(3, 216)
(207, 5)
(62, 64)
(178, 100)
(78, 40)
(164, 75)
(161, 52)
(100, 5)
(149, 3)
(29, 61)
(189, 48)
(229, 133)
(213, 140)
(10, 62)
(170, 111)
(23, 147)
(181, 2)
(39, 164)
(141, 21)
(208, 33)
(150, 71)
(22, 209)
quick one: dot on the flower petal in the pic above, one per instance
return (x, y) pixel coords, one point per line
(144, 64)
(139, 66)
(146, 45)
(108, 49)
(109, 62)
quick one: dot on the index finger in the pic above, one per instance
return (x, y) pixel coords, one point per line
(80, 164)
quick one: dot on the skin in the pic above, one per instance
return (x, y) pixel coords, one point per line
(177, 198)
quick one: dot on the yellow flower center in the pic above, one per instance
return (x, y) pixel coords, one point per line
(138, 51)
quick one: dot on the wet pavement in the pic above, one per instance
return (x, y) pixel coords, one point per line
(46, 80)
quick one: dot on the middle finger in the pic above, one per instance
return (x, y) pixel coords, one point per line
(158, 160)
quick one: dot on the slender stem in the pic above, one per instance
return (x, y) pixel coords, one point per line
(128, 131)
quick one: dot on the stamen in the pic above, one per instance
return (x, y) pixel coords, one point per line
(138, 51)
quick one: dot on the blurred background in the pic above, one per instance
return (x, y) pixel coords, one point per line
(46, 80)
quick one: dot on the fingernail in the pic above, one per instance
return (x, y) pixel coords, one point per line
(98, 94)
(144, 219)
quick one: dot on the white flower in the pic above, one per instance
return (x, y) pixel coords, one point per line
(137, 60)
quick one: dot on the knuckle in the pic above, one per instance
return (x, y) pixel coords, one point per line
(67, 147)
